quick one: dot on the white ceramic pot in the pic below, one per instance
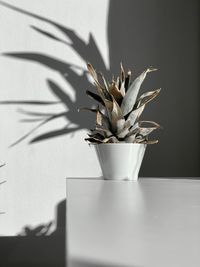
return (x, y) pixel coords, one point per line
(120, 161)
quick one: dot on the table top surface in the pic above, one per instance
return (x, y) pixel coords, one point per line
(148, 223)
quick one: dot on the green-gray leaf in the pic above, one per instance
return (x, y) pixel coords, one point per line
(135, 114)
(131, 95)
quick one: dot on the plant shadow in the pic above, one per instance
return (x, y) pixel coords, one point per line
(42, 248)
(89, 52)
(35, 247)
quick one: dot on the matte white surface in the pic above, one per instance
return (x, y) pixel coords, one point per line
(120, 161)
(147, 223)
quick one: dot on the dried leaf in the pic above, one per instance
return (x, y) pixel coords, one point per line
(111, 139)
(93, 140)
(133, 130)
(122, 89)
(120, 125)
(146, 131)
(124, 128)
(130, 139)
(96, 136)
(87, 109)
(127, 81)
(92, 72)
(104, 118)
(150, 142)
(131, 95)
(116, 115)
(147, 97)
(155, 124)
(95, 97)
(99, 118)
(123, 133)
(104, 81)
(118, 83)
(103, 131)
(103, 93)
(122, 73)
(109, 105)
(116, 93)
(128, 124)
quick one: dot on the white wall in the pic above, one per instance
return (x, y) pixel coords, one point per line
(36, 173)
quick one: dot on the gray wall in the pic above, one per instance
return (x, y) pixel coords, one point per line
(164, 34)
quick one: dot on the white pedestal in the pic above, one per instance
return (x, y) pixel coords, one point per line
(147, 223)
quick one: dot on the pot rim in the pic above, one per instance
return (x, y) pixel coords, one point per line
(132, 144)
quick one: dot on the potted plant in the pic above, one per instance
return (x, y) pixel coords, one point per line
(120, 138)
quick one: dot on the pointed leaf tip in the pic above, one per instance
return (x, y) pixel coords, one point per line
(131, 95)
(151, 69)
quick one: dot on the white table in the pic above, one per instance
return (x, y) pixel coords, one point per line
(149, 223)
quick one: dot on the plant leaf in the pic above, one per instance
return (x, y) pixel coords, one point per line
(95, 97)
(123, 133)
(97, 135)
(127, 81)
(104, 118)
(146, 131)
(120, 125)
(147, 97)
(104, 81)
(109, 105)
(99, 119)
(123, 130)
(103, 93)
(134, 129)
(88, 109)
(93, 140)
(103, 131)
(116, 115)
(155, 124)
(131, 138)
(122, 73)
(131, 95)
(92, 72)
(135, 114)
(111, 139)
(122, 89)
(150, 142)
(118, 83)
(116, 93)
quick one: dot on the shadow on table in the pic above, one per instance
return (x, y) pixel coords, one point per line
(84, 263)
(36, 248)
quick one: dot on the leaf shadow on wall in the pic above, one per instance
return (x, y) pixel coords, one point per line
(89, 52)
